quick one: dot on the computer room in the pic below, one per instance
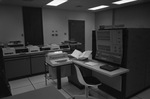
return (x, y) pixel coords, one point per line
(71, 51)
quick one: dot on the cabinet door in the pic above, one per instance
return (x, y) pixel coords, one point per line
(37, 64)
(17, 67)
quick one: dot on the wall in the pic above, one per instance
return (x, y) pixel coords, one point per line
(136, 16)
(11, 24)
(103, 18)
(56, 21)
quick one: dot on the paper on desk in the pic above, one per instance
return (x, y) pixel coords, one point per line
(78, 54)
(94, 63)
(91, 63)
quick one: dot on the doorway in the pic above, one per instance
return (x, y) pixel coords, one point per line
(77, 32)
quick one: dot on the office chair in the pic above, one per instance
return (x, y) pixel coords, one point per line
(87, 82)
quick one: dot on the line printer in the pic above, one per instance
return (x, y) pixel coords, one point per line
(57, 58)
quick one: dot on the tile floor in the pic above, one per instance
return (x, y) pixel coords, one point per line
(68, 90)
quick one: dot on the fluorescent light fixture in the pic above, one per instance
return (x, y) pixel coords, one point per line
(123, 1)
(56, 2)
(98, 7)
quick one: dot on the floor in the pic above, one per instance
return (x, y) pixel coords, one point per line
(68, 90)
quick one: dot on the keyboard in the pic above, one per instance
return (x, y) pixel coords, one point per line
(60, 61)
(109, 67)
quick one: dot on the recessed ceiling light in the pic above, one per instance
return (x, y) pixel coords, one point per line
(98, 7)
(123, 1)
(56, 2)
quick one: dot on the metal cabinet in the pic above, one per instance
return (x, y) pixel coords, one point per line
(17, 67)
(37, 64)
(147, 75)
(136, 58)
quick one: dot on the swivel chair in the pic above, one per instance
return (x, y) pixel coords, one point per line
(87, 82)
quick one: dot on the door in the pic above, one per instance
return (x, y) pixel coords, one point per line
(33, 28)
(77, 32)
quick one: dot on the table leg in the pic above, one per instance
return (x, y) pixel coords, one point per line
(58, 69)
(45, 73)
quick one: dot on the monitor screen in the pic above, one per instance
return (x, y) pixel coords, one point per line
(109, 45)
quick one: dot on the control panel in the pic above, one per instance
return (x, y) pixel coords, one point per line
(109, 45)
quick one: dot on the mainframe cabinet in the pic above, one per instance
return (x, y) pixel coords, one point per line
(136, 58)
(37, 63)
(17, 66)
(23, 65)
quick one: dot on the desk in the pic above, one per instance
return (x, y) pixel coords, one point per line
(43, 93)
(96, 68)
(58, 71)
(117, 72)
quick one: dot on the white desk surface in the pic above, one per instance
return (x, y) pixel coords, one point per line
(43, 93)
(97, 68)
(59, 64)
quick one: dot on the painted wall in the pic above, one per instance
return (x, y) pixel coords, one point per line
(103, 18)
(136, 16)
(11, 24)
(56, 22)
